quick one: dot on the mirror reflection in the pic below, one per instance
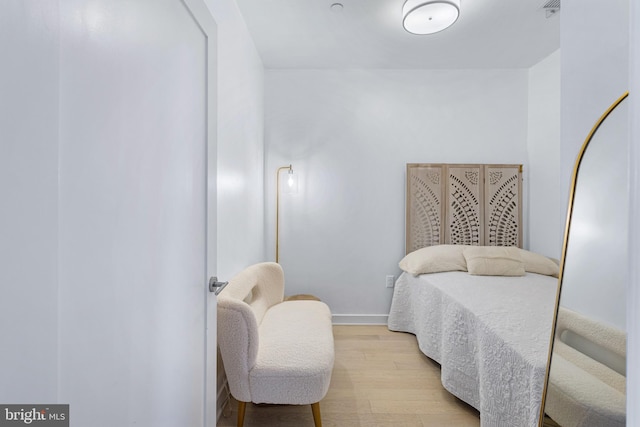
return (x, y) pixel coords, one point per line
(586, 383)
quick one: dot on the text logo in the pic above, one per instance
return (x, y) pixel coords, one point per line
(34, 415)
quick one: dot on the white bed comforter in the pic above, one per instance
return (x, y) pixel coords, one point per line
(490, 335)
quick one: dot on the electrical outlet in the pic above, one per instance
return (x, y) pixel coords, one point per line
(390, 281)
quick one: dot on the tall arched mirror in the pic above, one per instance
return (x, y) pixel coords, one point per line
(586, 375)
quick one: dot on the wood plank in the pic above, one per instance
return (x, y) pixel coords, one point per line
(380, 379)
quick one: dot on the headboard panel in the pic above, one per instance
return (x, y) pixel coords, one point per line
(465, 204)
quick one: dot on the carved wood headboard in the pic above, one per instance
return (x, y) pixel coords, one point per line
(465, 204)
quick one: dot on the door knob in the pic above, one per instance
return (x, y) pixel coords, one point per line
(215, 286)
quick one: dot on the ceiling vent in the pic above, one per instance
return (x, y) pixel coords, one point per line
(551, 7)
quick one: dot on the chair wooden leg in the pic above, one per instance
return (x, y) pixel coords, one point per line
(242, 406)
(315, 408)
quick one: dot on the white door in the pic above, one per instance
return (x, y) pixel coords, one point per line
(135, 97)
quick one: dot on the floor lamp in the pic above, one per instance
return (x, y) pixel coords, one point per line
(290, 187)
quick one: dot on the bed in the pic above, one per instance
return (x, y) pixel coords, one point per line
(478, 305)
(489, 334)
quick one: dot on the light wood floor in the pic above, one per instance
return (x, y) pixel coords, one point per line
(380, 378)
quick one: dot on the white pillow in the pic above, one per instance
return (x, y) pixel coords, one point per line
(536, 263)
(494, 261)
(434, 259)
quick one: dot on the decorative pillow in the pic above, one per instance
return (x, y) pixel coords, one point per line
(536, 263)
(494, 261)
(435, 259)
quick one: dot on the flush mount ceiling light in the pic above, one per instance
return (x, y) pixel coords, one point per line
(429, 16)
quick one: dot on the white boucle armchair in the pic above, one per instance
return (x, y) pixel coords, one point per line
(274, 351)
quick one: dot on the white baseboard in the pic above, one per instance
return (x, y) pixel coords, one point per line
(360, 319)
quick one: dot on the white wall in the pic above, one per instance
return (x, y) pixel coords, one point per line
(349, 135)
(546, 215)
(29, 37)
(633, 287)
(240, 143)
(594, 66)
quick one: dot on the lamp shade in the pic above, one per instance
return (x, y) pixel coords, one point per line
(429, 16)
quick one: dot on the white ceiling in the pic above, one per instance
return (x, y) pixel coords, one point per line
(369, 34)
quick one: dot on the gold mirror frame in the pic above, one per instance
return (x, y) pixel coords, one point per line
(572, 191)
